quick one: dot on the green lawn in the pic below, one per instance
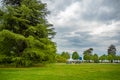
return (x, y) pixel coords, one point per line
(63, 72)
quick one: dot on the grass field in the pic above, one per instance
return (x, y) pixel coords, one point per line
(63, 72)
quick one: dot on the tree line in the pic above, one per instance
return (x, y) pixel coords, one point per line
(88, 56)
(64, 56)
(110, 57)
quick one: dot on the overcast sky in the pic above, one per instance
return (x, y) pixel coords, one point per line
(83, 24)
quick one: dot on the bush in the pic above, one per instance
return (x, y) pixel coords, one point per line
(18, 61)
(33, 55)
(60, 59)
(5, 59)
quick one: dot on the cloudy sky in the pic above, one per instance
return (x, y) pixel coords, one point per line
(83, 24)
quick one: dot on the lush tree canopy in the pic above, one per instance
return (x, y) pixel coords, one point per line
(88, 54)
(88, 51)
(25, 34)
(103, 57)
(75, 55)
(60, 59)
(95, 58)
(65, 55)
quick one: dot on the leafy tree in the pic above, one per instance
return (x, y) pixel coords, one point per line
(25, 34)
(95, 58)
(60, 59)
(88, 54)
(116, 58)
(103, 57)
(88, 51)
(110, 58)
(87, 57)
(65, 55)
(75, 55)
(119, 58)
(112, 50)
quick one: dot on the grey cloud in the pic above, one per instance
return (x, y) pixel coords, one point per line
(81, 40)
(76, 32)
(58, 5)
(106, 10)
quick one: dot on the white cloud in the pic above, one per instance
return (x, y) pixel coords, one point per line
(98, 30)
(65, 17)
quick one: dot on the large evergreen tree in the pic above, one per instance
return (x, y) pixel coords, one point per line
(25, 33)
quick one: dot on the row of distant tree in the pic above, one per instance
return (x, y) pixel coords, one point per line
(65, 55)
(88, 56)
(111, 56)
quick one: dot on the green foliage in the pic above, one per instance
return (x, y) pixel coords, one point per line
(75, 55)
(103, 57)
(11, 43)
(65, 55)
(87, 57)
(5, 59)
(88, 51)
(34, 55)
(19, 61)
(110, 58)
(95, 58)
(60, 59)
(87, 54)
(25, 34)
(12, 2)
(116, 57)
(28, 19)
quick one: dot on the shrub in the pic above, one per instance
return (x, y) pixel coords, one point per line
(18, 61)
(5, 59)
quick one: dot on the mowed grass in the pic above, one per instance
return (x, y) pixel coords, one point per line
(63, 72)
